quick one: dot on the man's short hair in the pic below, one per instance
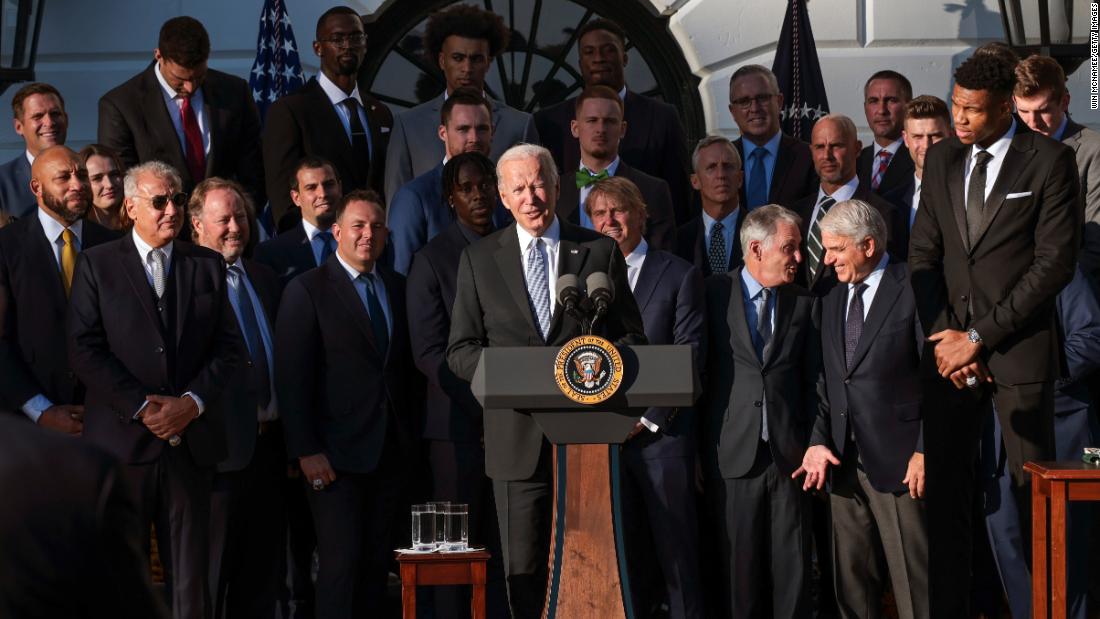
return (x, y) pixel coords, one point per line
(760, 224)
(467, 95)
(856, 220)
(1036, 74)
(34, 88)
(524, 150)
(999, 49)
(336, 10)
(602, 23)
(311, 162)
(989, 72)
(184, 41)
(755, 69)
(197, 201)
(711, 140)
(358, 195)
(466, 21)
(621, 190)
(454, 165)
(158, 169)
(847, 126)
(927, 106)
(598, 91)
(887, 74)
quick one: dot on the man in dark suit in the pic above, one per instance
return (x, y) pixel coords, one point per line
(659, 459)
(37, 257)
(885, 166)
(508, 303)
(71, 532)
(38, 116)
(599, 128)
(317, 120)
(927, 122)
(247, 523)
(710, 240)
(995, 239)
(463, 41)
(656, 145)
(778, 168)
(871, 431)
(834, 145)
(200, 121)
(343, 377)
(763, 391)
(153, 338)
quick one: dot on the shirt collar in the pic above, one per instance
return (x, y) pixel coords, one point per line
(172, 94)
(916, 181)
(845, 192)
(54, 228)
(333, 92)
(468, 233)
(1061, 128)
(637, 257)
(1000, 147)
(751, 286)
(729, 221)
(622, 94)
(550, 237)
(891, 148)
(612, 168)
(144, 248)
(352, 272)
(772, 146)
(30, 157)
(311, 230)
(875, 276)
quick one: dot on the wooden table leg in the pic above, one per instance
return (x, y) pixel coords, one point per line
(1040, 582)
(1058, 549)
(477, 600)
(408, 590)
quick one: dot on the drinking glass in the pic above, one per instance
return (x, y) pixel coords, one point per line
(456, 536)
(423, 527)
(440, 508)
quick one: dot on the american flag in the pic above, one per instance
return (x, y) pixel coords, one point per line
(277, 70)
(799, 75)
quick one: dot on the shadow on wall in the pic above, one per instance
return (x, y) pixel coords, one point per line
(976, 23)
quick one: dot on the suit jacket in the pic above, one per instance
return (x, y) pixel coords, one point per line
(305, 123)
(119, 350)
(1005, 285)
(336, 389)
(1079, 324)
(1086, 147)
(878, 397)
(134, 121)
(790, 379)
(16, 198)
(415, 146)
(691, 243)
(240, 399)
(897, 236)
(660, 218)
(654, 143)
(898, 173)
(33, 350)
(491, 309)
(289, 254)
(451, 411)
(669, 294)
(794, 175)
(72, 540)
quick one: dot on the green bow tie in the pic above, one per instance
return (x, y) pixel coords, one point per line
(586, 178)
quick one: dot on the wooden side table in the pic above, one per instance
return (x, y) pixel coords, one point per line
(1053, 486)
(442, 568)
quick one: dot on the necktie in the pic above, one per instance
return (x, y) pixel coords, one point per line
(360, 141)
(815, 250)
(326, 245)
(853, 326)
(250, 327)
(764, 335)
(586, 178)
(716, 253)
(192, 138)
(975, 197)
(757, 190)
(884, 157)
(68, 259)
(157, 259)
(377, 315)
(538, 291)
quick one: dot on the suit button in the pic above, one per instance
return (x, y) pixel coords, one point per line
(758, 404)
(248, 363)
(847, 381)
(159, 350)
(843, 413)
(964, 298)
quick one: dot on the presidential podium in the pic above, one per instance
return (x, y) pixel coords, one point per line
(587, 572)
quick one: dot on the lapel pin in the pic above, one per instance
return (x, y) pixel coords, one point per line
(573, 251)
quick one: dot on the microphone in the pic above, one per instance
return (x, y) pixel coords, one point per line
(600, 292)
(569, 295)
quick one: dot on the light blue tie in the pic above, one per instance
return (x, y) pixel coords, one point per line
(538, 287)
(757, 191)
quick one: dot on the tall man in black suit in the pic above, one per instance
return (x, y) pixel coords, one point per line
(656, 145)
(599, 128)
(710, 240)
(37, 257)
(200, 121)
(247, 524)
(778, 168)
(153, 338)
(996, 238)
(505, 285)
(763, 391)
(343, 378)
(329, 117)
(659, 459)
(871, 433)
(885, 166)
(38, 116)
(927, 122)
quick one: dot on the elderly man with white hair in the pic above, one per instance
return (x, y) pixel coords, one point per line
(871, 431)
(505, 297)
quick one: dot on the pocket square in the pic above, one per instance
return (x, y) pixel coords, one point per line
(1022, 194)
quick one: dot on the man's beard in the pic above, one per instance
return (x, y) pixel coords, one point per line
(61, 208)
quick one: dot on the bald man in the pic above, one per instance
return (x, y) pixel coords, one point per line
(37, 256)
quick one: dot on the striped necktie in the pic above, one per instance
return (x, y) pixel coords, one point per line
(815, 251)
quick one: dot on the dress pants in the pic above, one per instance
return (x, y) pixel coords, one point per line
(763, 522)
(524, 512)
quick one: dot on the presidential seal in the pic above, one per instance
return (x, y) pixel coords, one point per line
(588, 369)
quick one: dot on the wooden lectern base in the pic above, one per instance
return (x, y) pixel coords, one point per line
(587, 564)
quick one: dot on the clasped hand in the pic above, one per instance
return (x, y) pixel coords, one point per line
(957, 358)
(168, 416)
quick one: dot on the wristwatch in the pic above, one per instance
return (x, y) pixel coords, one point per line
(973, 336)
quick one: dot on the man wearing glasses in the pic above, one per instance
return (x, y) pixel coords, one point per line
(154, 339)
(329, 117)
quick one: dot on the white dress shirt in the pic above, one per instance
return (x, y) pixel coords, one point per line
(998, 150)
(316, 245)
(844, 192)
(634, 264)
(361, 289)
(916, 201)
(551, 240)
(891, 148)
(585, 220)
(729, 224)
(173, 101)
(337, 97)
(271, 412)
(872, 281)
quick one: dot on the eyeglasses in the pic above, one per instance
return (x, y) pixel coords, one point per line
(746, 102)
(354, 39)
(161, 202)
